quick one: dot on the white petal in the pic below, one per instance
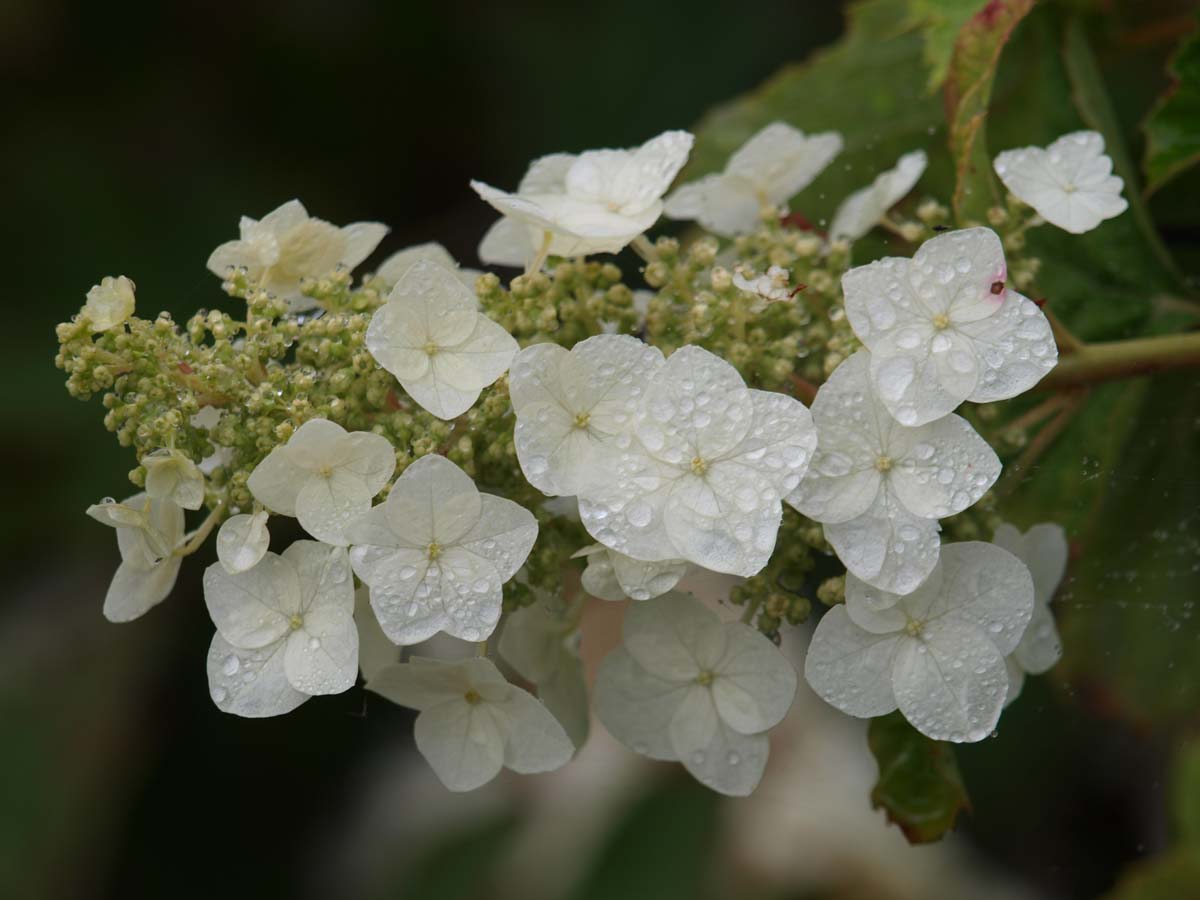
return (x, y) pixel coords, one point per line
(955, 273)
(536, 376)
(624, 510)
(506, 243)
(1016, 349)
(535, 638)
(947, 468)
(375, 651)
(600, 578)
(317, 443)
(534, 740)
(1016, 680)
(554, 453)
(674, 636)
(423, 683)
(485, 354)
(503, 535)
(361, 239)
(878, 299)
(439, 398)
(781, 161)
(547, 174)
(731, 763)
(565, 695)
(323, 573)
(636, 707)
(921, 374)
(134, 590)
(276, 482)
(1040, 647)
(322, 656)
(951, 683)
(640, 580)
(850, 668)
(250, 683)
(395, 266)
(863, 209)
(723, 204)
(694, 724)
(242, 541)
(369, 456)
(253, 608)
(1043, 549)
(755, 683)
(462, 742)
(887, 547)
(780, 442)
(326, 505)
(433, 501)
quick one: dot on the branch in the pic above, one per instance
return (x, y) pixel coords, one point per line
(1094, 363)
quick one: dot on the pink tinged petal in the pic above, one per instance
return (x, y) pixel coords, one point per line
(636, 707)
(954, 273)
(987, 587)
(1016, 349)
(951, 682)
(755, 683)
(461, 742)
(674, 637)
(327, 505)
(947, 468)
(250, 683)
(322, 656)
(851, 668)
(254, 608)
(887, 547)
(534, 740)
(276, 482)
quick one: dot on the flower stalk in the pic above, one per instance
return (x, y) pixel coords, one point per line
(1111, 360)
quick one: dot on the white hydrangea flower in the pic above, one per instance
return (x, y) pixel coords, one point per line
(705, 474)
(866, 208)
(596, 202)
(1070, 183)
(772, 287)
(171, 475)
(614, 576)
(937, 653)
(148, 531)
(324, 476)
(242, 541)
(571, 406)
(507, 243)
(287, 245)
(942, 328)
(541, 642)
(472, 722)
(1043, 549)
(285, 630)
(392, 269)
(879, 487)
(436, 553)
(109, 303)
(432, 337)
(685, 686)
(770, 168)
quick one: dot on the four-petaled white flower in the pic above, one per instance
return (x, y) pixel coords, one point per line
(1043, 549)
(472, 722)
(770, 168)
(704, 475)
(614, 576)
(148, 531)
(1070, 183)
(432, 337)
(867, 207)
(942, 328)
(242, 541)
(287, 245)
(396, 266)
(436, 553)
(324, 476)
(171, 475)
(541, 641)
(936, 653)
(879, 487)
(573, 406)
(685, 686)
(596, 202)
(109, 303)
(285, 630)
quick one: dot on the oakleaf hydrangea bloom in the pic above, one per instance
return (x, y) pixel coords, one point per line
(685, 686)
(109, 303)
(541, 641)
(879, 487)
(596, 202)
(396, 266)
(324, 476)
(436, 553)
(287, 245)
(867, 207)
(432, 337)
(1043, 549)
(1070, 183)
(148, 531)
(937, 653)
(573, 406)
(704, 476)
(942, 328)
(614, 576)
(171, 475)
(472, 722)
(774, 165)
(285, 630)
(242, 541)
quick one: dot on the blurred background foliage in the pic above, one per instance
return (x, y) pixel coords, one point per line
(139, 132)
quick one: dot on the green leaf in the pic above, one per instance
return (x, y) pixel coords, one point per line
(1185, 791)
(1173, 126)
(1171, 876)
(967, 93)
(919, 785)
(940, 22)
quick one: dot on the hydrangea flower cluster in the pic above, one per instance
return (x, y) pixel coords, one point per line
(760, 408)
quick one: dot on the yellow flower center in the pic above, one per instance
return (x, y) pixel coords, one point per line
(705, 678)
(914, 628)
(941, 321)
(431, 349)
(434, 550)
(582, 419)
(883, 464)
(472, 697)
(296, 622)
(699, 466)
